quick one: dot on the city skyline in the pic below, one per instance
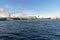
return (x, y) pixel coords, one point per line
(32, 7)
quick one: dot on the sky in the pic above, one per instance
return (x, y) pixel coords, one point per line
(32, 7)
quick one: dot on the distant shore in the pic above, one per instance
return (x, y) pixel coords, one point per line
(4, 19)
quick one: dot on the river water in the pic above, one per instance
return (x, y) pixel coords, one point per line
(30, 30)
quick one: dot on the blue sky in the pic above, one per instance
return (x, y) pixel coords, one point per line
(33, 7)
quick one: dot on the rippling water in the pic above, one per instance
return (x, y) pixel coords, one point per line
(30, 30)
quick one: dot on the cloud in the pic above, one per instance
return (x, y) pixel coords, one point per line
(4, 12)
(6, 6)
(1, 9)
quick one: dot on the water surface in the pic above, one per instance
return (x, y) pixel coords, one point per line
(30, 30)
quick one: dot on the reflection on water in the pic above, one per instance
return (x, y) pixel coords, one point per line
(30, 30)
